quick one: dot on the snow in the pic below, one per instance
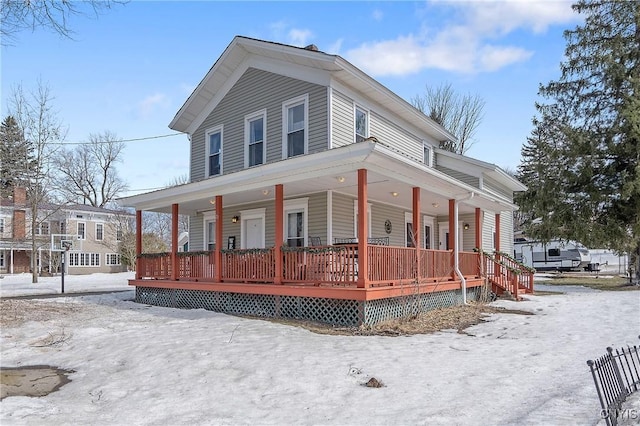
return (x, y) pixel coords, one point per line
(143, 365)
(20, 284)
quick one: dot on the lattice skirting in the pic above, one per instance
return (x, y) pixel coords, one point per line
(330, 311)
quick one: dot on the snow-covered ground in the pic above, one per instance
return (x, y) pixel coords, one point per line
(142, 365)
(20, 284)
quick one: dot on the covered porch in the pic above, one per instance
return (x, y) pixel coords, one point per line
(351, 265)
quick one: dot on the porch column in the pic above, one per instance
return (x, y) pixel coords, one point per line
(452, 234)
(217, 255)
(174, 242)
(497, 242)
(279, 237)
(416, 230)
(138, 241)
(363, 234)
(478, 228)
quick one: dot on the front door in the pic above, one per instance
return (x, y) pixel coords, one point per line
(254, 232)
(444, 237)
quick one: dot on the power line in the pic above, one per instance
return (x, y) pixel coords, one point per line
(146, 138)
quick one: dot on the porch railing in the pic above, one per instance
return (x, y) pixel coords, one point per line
(334, 265)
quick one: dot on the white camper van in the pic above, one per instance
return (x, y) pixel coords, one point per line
(555, 255)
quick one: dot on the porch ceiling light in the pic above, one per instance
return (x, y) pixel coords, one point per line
(395, 194)
(212, 201)
(265, 192)
(435, 205)
(341, 179)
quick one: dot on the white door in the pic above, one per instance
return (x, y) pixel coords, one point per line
(254, 233)
(444, 237)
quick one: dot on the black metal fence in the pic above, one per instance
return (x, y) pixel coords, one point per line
(616, 376)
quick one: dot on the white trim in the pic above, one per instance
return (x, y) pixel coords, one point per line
(444, 226)
(208, 216)
(96, 231)
(329, 217)
(428, 220)
(297, 205)
(247, 120)
(118, 258)
(247, 215)
(84, 234)
(210, 131)
(355, 219)
(304, 100)
(366, 111)
(429, 162)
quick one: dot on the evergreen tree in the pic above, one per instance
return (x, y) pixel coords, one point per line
(16, 157)
(593, 139)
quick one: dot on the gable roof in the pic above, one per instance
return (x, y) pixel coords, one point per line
(216, 82)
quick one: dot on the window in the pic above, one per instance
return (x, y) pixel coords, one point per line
(409, 235)
(254, 135)
(112, 259)
(295, 115)
(210, 235)
(99, 231)
(427, 154)
(84, 259)
(63, 227)
(1, 259)
(428, 232)
(554, 252)
(43, 228)
(296, 222)
(214, 151)
(362, 124)
(1, 225)
(81, 230)
(119, 234)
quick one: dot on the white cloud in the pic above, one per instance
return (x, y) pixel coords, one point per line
(469, 44)
(299, 37)
(148, 105)
(377, 15)
(334, 48)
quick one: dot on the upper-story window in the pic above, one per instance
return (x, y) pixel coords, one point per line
(214, 151)
(42, 228)
(119, 234)
(361, 124)
(99, 231)
(81, 230)
(254, 136)
(1, 225)
(295, 114)
(427, 158)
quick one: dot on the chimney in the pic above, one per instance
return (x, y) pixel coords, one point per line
(19, 196)
(312, 47)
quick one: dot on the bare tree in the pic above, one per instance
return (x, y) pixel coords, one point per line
(459, 114)
(43, 129)
(52, 15)
(87, 174)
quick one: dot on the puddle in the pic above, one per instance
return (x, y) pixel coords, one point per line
(32, 380)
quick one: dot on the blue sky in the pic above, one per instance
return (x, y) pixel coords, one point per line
(130, 70)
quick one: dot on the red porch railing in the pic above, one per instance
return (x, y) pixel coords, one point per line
(332, 265)
(508, 275)
(250, 265)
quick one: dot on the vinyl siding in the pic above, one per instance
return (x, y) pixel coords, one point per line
(494, 186)
(342, 119)
(342, 216)
(506, 232)
(316, 221)
(463, 177)
(395, 137)
(488, 227)
(254, 91)
(379, 214)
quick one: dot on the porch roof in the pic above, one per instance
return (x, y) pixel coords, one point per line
(390, 179)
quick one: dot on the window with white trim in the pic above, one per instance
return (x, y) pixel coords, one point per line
(295, 222)
(112, 259)
(99, 231)
(42, 228)
(1, 259)
(427, 154)
(1, 225)
(295, 114)
(119, 234)
(81, 231)
(84, 259)
(209, 231)
(255, 126)
(361, 124)
(214, 151)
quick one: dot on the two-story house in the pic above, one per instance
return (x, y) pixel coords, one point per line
(316, 192)
(96, 233)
